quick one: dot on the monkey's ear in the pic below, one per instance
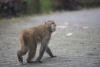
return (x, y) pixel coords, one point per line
(49, 21)
(46, 22)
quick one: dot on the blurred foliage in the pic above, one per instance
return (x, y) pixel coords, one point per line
(74, 4)
(19, 7)
(33, 6)
(38, 6)
(89, 3)
(45, 6)
(64, 4)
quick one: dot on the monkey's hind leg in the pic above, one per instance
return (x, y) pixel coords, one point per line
(31, 54)
(23, 48)
(20, 53)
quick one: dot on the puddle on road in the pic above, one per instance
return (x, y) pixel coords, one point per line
(61, 27)
(85, 27)
(69, 34)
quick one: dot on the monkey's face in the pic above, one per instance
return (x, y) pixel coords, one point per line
(51, 25)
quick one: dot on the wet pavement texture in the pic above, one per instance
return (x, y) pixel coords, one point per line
(76, 42)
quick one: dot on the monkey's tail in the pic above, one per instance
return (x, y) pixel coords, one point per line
(23, 41)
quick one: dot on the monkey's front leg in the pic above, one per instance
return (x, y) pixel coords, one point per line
(42, 50)
(49, 52)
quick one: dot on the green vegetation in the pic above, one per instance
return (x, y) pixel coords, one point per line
(45, 6)
(30, 7)
(89, 3)
(33, 6)
(38, 6)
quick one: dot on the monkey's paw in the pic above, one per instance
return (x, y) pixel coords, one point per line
(30, 61)
(53, 56)
(38, 61)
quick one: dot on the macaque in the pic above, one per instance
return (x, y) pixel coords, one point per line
(30, 37)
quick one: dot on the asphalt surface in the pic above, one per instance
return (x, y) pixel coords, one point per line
(76, 42)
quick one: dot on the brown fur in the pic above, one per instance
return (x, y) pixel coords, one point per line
(30, 37)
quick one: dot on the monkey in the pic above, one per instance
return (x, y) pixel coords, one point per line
(29, 39)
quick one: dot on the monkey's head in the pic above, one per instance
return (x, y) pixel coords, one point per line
(51, 25)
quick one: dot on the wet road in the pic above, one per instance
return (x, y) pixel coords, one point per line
(76, 43)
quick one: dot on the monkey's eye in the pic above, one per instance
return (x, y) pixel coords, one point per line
(52, 23)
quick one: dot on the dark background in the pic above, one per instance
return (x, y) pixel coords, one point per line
(10, 8)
